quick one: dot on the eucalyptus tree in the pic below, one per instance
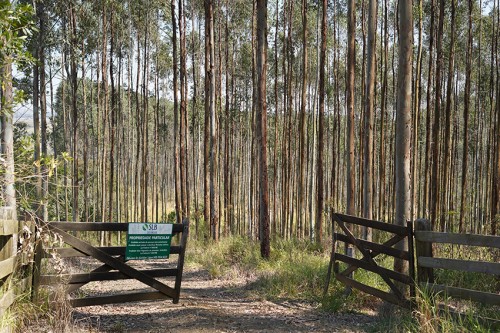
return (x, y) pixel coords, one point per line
(261, 127)
(15, 25)
(369, 118)
(303, 128)
(351, 64)
(403, 122)
(319, 188)
(210, 123)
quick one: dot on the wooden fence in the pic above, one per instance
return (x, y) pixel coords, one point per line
(113, 264)
(369, 251)
(16, 256)
(427, 262)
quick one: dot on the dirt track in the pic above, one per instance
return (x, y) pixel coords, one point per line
(208, 305)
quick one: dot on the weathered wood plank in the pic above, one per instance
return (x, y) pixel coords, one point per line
(388, 297)
(101, 226)
(113, 262)
(7, 266)
(411, 260)
(101, 269)
(374, 268)
(473, 295)
(180, 262)
(423, 249)
(102, 276)
(8, 227)
(460, 265)
(379, 248)
(458, 239)
(23, 285)
(6, 301)
(111, 250)
(395, 229)
(121, 298)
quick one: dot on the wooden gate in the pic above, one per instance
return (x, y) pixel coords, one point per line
(114, 266)
(368, 251)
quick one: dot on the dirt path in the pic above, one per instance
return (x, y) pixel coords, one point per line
(208, 305)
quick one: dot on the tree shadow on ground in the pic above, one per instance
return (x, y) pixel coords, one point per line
(215, 306)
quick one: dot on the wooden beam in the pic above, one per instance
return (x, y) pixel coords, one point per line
(101, 226)
(101, 276)
(388, 297)
(461, 265)
(180, 262)
(377, 248)
(8, 227)
(395, 229)
(473, 295)
(459, 239)
(374, 268)
(7, 266)
(121, 298)
(111, 250)
(6, 301)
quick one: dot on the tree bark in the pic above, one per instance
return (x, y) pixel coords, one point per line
(351, 64)
(319, 171)
(261, 127)
(6, 101)
(465, 153)
(303, 128)
(369, 118)
(403, 124)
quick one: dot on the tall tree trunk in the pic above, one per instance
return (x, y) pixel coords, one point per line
(183, 114)
(208, 95)
(403, 123)
(210, 108)
(177, 171)
(6, 102)
(434, 199)
(261, 127)
(465, 152)
(369, 117)
(319, 171)
(112, 123)
(447, 130)
(495, 188)
(428, 130)
(383, 115)
(351, 64)
(43, 108)
(303, 127)
(74, 109)
(416, 116)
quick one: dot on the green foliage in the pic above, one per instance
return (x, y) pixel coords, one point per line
(16, 25)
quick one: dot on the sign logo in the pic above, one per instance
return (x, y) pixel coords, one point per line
(148, 241)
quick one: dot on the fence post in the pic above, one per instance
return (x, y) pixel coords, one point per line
(423, 249)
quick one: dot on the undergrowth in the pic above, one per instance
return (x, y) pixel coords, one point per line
(297, 270)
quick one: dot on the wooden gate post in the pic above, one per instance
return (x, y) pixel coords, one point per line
(423, 249)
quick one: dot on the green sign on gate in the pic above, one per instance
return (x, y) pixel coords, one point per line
(148, 241)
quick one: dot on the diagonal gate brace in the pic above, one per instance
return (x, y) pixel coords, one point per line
(368, 258)
(113, 262)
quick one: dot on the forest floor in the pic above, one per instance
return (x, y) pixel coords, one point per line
(211, 305)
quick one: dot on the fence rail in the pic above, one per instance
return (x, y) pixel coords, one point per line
(427, 262)
(15, 258)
